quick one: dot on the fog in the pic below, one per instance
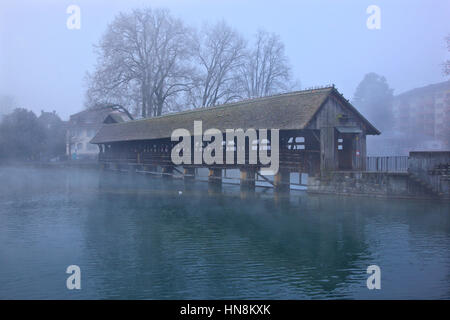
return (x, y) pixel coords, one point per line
(141, 226)
(43, 63)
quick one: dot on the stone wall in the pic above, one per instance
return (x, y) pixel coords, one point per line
(379, 184)
(422, 164)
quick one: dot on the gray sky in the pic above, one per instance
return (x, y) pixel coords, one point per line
(42, 63)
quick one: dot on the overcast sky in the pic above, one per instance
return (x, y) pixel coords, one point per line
(42, 63)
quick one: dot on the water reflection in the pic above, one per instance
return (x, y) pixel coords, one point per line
(151, 238)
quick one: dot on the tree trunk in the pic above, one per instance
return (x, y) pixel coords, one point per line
(144, 102)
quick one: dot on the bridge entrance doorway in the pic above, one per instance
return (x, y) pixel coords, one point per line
(345, 151)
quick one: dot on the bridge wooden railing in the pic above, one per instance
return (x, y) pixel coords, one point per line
(296, 161)
(387, 164)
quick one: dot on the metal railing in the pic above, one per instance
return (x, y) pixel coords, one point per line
(387, 164)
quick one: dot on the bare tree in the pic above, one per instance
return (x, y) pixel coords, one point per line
(142, 62)
(98, 94)
(151, 63)
(266, 69)
(219, 52)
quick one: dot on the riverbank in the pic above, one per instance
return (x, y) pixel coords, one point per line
(400, 185)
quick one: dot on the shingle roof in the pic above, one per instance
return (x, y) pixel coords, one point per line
(90, 115)
(117, 117)
(285, 111)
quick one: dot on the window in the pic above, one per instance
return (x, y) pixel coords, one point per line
(265, 144)
(340, 144)
(297, 143)
(231, 146)
(255, 144)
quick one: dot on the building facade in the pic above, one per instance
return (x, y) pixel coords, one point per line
(84, 125)
(423, 115)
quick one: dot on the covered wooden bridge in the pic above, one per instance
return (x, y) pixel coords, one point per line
(319, 131)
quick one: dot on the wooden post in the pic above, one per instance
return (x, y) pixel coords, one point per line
(282, 180)
(189, 173)
(214, 181)
(215, 176)
(248, 178)
(167, 172)
(248, 182)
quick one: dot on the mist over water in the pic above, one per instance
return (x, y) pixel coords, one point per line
(137, 237)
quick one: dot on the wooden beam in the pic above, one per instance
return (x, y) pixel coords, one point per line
(264, 178)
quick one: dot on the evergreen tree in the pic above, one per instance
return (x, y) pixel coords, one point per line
(21, 136)
(374, 98)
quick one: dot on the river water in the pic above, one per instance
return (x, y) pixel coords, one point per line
(141, 237)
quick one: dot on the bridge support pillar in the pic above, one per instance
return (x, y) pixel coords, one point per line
(282, 180)
(214, 181)
(167, 172)
(248, 178)
(215, 176)
(189, 173)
